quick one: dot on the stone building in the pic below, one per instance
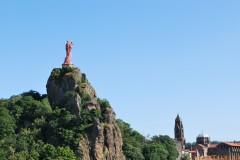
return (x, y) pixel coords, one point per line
(203, 139)
(200, 148)
(179, 130)
(212, 149)
(179, 136)
(228, 149)
(203, 148)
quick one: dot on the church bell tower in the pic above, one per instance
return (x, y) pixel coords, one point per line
(179, 131)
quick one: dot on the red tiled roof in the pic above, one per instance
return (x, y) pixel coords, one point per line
(232, 144)
(213, 146)
(202, 146)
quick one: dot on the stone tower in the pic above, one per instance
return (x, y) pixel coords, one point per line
(179, 131)
(203, 139)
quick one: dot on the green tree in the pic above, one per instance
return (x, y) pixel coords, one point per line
(65, 153)
(155, 151)
(7, 123)
(186, 157)
(132, 152)
(168, 144)
(132, 141)
(49, 152)
(3, 155)
(60, 153)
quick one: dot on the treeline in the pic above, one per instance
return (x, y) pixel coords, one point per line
(137, 147)
(31, 129)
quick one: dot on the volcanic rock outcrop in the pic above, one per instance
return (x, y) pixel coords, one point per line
(101, 138)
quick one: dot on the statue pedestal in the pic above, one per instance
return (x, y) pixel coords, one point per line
(67, 65)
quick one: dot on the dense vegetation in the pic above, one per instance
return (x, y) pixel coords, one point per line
(137, 147)
(31, 129)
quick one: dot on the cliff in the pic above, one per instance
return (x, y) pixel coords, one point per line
(101, 137)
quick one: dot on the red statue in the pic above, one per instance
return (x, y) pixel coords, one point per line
(67, 61)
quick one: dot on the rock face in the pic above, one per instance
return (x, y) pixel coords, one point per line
(69, 88)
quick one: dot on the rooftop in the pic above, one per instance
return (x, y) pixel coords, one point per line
(232, 144)
(203, 135)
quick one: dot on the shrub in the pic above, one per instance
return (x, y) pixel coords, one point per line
(104, 103)
(60, 72)
(85, 98)
(56, 72)
(70, 94)
(87, 117)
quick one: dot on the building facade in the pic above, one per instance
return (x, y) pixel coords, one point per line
(228, 149)
(203, 148)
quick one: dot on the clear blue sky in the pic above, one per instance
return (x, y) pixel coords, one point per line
(152, 59)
